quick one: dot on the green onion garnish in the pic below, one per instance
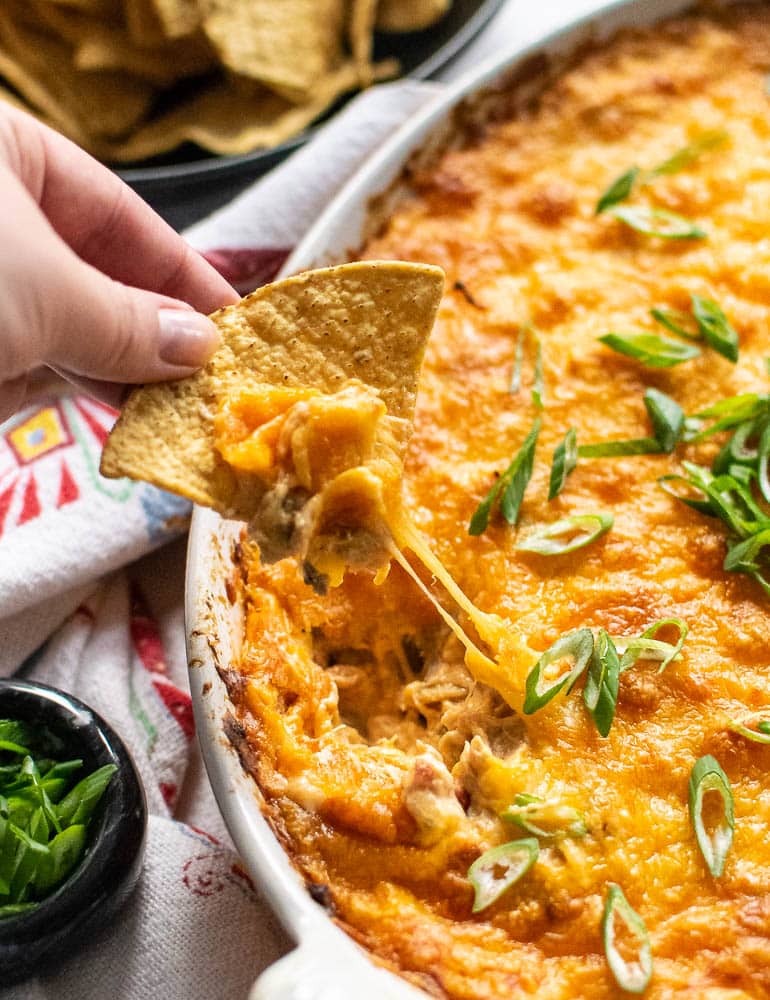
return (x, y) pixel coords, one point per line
(742, 557)
(737, 487)
(668, 424)
(727, 414)
(621, 187)
(618, 191)
(544, 818)
(538, 385)
(688, 154)
(499, 868)
(691, 488)
(715, 327)
(650, 349)
(759, 734)
(633, 976)
(510, 487)
(658, 222)
(667, 418)
(763, 463)
(566, 535)
(515, 383)
(708, 776)
(676, 321)
(618, 449)
(565, 456)
(43, 818)
(571, 652)
(647, 647)
(600, 693)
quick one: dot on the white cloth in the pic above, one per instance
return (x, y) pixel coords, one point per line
(77, 610)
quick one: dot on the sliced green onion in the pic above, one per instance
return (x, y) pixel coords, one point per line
(633, 976)
(688, 154)
(544, 818)
(668, 423)
(78, 805)
(737, 451)
(708, 776)
(574, 647)
(734, 504)
(763, 463)
(565, 456)
(759, 734)
(499, 868)
(566, 535)
(728, 413)
(538, 385)
(15, 732)
(647, 647)
(510, 487)
(622, 186)
(658, 222)
(742, 556)
(694, 488)
(715, 327)
(650, 349)
(14, 909)
(515, 383)
(617, 449)
(618, 191)
(667, 418)
(676, 321)
(64, 854)
(601, 691)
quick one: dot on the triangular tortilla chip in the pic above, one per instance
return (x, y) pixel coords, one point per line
(365, 321)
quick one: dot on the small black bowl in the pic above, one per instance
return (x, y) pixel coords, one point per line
(95, 891)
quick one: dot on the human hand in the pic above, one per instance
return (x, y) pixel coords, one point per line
(94, 283)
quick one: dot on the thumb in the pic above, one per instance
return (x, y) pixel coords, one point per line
(102, 329)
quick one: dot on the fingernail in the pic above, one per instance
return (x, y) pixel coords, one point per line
(186, 338)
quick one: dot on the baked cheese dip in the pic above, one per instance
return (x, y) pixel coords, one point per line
(589, 814)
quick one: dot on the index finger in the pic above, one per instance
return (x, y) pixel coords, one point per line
(106, 223)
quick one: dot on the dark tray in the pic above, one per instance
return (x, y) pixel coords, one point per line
(188, 185)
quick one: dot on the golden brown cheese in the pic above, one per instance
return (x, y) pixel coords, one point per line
(383, 764)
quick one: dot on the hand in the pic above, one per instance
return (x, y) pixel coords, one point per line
(92, 282)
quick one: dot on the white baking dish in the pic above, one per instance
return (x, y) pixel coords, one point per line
(327, 965)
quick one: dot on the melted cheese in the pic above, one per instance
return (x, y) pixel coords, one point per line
(335, 447)
(341, 694)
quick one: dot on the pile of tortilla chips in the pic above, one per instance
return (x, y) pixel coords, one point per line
(131, 79)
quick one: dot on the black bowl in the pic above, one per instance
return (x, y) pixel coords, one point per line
(95, 891)
(188, 184)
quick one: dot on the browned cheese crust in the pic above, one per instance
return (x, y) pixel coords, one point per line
(383, 765)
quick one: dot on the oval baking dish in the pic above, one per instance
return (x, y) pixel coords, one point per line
(326, 963)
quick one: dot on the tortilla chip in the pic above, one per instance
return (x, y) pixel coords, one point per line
(228, 119)
(100, 8)
(100, 45)
(253, 73)
(360, 32)
(410, 15)
(368, 321)
(9, 97)
(178, 18)
(289, 46)
(39, 67)
(142, 23)
(103, 49)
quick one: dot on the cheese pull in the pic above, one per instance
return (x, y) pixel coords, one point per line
(299, 425)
